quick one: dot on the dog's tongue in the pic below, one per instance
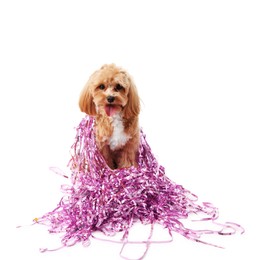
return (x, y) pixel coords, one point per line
(110, 110)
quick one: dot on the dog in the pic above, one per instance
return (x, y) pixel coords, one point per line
(110, 95)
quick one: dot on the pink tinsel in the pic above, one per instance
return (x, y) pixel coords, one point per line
(101, 199)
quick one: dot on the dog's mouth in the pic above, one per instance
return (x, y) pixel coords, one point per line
(112, 109)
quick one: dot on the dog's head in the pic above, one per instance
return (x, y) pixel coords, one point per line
(110, 90)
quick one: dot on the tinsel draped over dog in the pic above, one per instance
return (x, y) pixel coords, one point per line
(101, 199)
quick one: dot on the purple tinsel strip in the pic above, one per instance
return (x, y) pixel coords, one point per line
(101, 199)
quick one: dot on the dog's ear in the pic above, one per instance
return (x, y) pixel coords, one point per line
(86, 102)
(132, 108)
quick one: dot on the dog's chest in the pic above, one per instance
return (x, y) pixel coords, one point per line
(118, 138)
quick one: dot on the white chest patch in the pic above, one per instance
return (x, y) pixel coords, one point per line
(119, 138)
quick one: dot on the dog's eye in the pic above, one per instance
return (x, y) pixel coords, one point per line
(102, 86)
(118, 87)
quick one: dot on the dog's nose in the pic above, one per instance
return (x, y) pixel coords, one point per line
(110, 99)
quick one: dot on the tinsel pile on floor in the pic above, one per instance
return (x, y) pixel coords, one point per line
(101, 199)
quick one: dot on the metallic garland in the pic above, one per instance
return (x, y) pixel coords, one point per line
(110, 201)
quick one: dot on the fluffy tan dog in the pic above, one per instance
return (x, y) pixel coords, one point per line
(110, 95)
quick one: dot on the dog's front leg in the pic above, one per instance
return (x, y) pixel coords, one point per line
(127, 156)
(106, 153)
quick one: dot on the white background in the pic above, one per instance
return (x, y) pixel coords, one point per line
(197, 68)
